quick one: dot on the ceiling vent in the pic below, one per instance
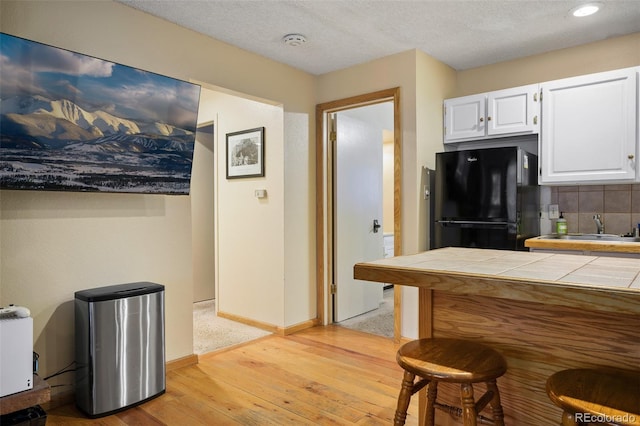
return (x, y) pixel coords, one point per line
(294, 40)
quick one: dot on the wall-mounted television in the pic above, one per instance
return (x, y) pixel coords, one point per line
(72, 122)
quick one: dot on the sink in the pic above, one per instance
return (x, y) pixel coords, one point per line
(591, 237)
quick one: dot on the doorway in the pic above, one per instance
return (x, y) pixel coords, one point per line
(219, 209)
(357, 137)
(327, 218)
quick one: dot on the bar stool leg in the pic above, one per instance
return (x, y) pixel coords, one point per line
(496, 405)
(404, 398)
(432, 393)
(469, 413)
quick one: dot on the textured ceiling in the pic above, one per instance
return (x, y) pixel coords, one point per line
(341, 33)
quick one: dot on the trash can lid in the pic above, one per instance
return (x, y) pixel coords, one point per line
(118, 291)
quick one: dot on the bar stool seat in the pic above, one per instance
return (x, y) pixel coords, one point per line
(596, 396)
(454, 361)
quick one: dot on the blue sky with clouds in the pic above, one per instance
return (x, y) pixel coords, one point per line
(28, 67)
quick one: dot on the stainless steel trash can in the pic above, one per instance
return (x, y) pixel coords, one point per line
(120, 346)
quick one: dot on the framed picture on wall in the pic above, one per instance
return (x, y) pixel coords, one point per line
(245, 153)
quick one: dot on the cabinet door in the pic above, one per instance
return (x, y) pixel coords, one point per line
(589, 128)
(513, 111)
(464, 118)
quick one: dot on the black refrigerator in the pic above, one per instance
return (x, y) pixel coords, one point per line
(486, 198)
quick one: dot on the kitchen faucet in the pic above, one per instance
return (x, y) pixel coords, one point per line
(599, 224)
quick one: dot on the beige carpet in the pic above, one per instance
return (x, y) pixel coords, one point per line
(379, 321)
(211, 333)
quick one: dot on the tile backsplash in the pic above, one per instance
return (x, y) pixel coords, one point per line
(618, 206)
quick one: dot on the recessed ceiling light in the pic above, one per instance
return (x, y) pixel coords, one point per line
(586, 9)
(294, 39)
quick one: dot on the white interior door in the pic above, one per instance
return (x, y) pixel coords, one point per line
(357, 204)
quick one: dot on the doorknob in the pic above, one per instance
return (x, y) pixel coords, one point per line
(376, 226)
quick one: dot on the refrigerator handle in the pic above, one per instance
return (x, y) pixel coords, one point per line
(471, 222)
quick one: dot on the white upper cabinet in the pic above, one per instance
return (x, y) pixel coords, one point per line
(464, 118)
(589, 128)
(513, 111)
(490, 115)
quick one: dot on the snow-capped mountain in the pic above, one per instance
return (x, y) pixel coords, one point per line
(34, 114)
(120, 143)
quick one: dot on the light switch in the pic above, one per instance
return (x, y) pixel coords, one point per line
(554, 213)
(260, 193)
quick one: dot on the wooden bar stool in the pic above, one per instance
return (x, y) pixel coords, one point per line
(596, 396)
(453, 361)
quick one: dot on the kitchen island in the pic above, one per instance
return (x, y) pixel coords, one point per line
(544, 312)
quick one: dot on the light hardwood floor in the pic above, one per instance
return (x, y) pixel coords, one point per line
(320, 376)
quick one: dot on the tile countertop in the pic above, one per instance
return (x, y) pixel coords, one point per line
(597, 246)
(607, 284)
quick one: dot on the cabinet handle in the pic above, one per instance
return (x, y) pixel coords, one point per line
(489, 118)
(535, 119)
(630, 156)
(481, 119)
(535, 97)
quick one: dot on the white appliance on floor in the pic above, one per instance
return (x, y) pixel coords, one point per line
(16, 354)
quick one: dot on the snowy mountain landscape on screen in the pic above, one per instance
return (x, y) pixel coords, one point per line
(78, 123)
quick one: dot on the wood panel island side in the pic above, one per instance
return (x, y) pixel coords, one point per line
(544, 312)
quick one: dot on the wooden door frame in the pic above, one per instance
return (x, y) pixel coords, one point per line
(324, 196)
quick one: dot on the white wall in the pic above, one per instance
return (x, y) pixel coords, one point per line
(262, 273)
(54, 244)
(250, 231)
(299, 221)
(202, 211)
